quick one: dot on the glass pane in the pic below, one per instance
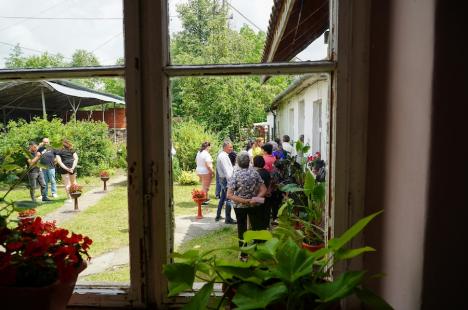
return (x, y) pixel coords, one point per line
(245, 31)
(242, 111)
(58, 33)
(88, 197)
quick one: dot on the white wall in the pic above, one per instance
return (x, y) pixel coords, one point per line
(310, 94)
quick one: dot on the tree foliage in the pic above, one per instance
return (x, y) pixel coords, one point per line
(80, 58)
(226, 105)
(90, 140)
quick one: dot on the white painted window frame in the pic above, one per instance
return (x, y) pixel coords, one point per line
(147, 74)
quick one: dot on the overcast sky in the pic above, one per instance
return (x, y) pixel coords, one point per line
(96, 25)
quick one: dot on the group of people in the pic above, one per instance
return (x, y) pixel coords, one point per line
(63, 160)
(248, 181)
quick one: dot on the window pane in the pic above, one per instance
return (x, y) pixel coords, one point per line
(244, 31)
(92, 201)
(239, 110)
(59, 33)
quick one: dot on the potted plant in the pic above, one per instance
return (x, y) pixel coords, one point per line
(39, 262)
(304, 207)
(285, 275)
(199, 197)
(104, 175)
(25, 214)
(75, 192)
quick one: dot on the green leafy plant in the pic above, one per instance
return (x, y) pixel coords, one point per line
(281, 272)
(188, 178)
(305, 207)
(90, 140)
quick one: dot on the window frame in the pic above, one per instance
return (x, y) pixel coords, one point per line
(147, 73)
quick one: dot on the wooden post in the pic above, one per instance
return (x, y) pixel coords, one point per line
(102, 105)
(115, 132)
(44, 112)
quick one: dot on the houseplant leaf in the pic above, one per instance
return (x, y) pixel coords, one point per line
(337, 243)
(10, 167)
(201, 298)
(293, 262)
(180, 276)
(291, 188)
(369, 298)
(251, 296)
(350, 253)
(339, 288)
(251, 235)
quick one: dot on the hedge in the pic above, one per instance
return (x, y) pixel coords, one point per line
(90, 139)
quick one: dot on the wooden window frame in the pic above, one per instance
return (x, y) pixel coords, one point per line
(147, 73)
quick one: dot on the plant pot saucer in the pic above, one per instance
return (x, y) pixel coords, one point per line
(104, 178)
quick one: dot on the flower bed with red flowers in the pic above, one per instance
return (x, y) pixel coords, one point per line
(198, 194)
(37, 253)
(104, 174)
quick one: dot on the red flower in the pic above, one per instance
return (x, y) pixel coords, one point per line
(14, 246)
(32, 244)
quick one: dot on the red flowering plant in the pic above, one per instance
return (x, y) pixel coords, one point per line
(75, 188)
(27, 213)
(198, 194)
(37, 253)
(104, 174)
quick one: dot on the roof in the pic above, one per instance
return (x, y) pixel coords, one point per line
(294, 24)
(297, 85)
(58, 95)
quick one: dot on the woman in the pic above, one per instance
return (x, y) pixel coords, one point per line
(67, 159)
(268, 157)
(264, 210)
(205, 167)
(257, 148)
(245, 187)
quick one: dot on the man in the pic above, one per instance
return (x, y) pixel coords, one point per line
(48, 160)
(288, 147)
(35, 174)
(224, 170)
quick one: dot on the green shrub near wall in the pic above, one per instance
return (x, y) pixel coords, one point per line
(90, 140)
(188, 135)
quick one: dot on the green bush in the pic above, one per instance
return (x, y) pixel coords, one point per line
(176, 170)
(188, 178)
(188, 135)
(90, 140)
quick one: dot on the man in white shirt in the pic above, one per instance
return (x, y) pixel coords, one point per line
(224, 170)
(288, 147)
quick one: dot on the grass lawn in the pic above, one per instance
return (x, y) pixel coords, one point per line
(109, 237)
(21, 192)
(119, 274)
(224, 237)
(106, 222)
(184, 205)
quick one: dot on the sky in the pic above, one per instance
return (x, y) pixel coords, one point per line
(62, 26)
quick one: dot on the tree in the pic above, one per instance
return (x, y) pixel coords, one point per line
(225, 105)
(45, 60)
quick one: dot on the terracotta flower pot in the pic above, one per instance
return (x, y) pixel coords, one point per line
(52, 297)
(105, 179)
(312, 247)
(75, 196)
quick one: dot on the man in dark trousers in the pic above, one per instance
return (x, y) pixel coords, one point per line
(48, 160)
(35, 175)
(224, 170)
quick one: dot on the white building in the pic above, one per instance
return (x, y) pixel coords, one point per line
(303, 108)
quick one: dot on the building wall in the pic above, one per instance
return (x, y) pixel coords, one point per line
(120, 119)
(288, 124)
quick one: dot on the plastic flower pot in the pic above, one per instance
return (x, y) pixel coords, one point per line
(51, 297)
